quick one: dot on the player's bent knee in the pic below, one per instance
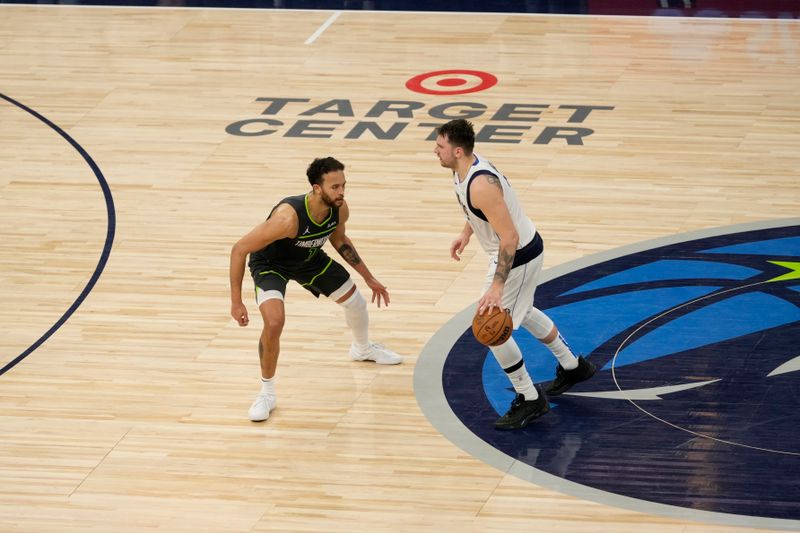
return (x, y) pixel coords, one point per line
(355, 301)
(540, 325)
(273, 324)
(273, 315)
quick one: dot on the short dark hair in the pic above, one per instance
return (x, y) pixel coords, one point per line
(321, 166)
(460, 133)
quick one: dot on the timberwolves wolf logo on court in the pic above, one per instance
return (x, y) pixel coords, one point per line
(695, 408)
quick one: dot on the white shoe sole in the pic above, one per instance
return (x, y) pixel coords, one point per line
(376, 361)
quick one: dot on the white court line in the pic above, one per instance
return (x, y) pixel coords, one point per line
(324, 27)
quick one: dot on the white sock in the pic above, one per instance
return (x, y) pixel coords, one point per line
(541, 326)
(522, 383)
(563, 353)
(268, 387)
(357, 318)
(509, 356)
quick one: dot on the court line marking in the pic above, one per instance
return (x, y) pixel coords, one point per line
(324, 27)
(430, 396)
(632, 399)
(110, 232)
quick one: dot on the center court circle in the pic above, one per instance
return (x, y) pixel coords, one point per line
(694, 337)
(779, 446)
(457, 81)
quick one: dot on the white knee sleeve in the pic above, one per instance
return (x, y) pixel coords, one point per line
(538, 323)
(357, 318)
(507, 354)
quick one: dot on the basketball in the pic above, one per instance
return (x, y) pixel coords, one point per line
(494, 327)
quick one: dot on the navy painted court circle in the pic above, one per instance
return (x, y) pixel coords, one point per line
(692, 413)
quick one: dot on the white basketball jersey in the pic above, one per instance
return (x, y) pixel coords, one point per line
(477, 220)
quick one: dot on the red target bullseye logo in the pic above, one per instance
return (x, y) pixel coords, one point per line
(451, 82)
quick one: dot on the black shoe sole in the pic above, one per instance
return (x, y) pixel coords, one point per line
(525, 421)
(565, 388)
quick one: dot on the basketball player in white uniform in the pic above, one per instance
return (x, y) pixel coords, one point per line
(509, 237)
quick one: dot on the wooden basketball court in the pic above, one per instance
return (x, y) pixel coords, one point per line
(128, 411)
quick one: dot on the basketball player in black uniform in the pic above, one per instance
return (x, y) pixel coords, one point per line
(288, 246)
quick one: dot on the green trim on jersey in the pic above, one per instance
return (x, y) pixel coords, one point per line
(274, 272)
(320, 224)
(292, 254)
(330, 261)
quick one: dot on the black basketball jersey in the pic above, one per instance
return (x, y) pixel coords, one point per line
(294, 251)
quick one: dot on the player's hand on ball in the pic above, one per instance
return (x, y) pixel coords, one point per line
(494, 327)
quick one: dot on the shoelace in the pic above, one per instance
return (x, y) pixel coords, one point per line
(264, 398)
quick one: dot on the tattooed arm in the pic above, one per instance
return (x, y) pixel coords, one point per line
(487, 195)
(342, 243)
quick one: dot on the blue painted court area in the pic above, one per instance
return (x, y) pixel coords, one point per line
(694, 405)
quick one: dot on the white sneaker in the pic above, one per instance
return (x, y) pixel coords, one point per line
(261, 408)
(376, 352)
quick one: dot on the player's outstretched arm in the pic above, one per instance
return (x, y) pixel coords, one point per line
(342, 243)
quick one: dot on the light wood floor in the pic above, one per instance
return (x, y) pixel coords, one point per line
(132, 415)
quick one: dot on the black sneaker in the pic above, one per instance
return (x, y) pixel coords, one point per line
(522, 412)
(565, 379)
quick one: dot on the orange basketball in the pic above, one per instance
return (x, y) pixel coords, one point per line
(494, 327)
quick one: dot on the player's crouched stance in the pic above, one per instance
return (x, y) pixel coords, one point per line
(288, 246)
